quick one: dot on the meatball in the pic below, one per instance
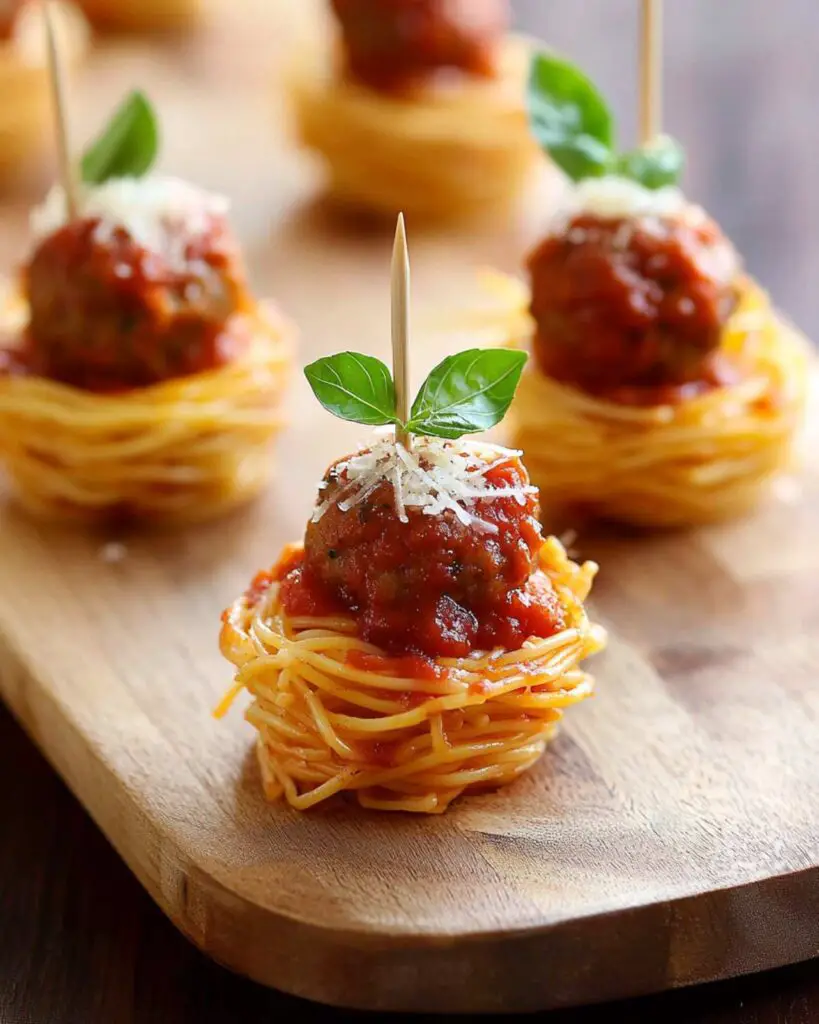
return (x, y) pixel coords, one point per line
(632, 303)
(109, 314)
(391, 44)
(434, 584)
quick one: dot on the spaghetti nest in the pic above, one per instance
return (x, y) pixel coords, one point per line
(403, 743)
(185, 450)
(439, 153)
(704, 459)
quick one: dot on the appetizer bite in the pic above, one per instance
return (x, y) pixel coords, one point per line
(138, 375)
(663, 387)
(424, 638)
(24, 85)
(143, 15)
(419, 108)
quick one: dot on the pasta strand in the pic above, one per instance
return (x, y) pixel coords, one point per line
(401, 743)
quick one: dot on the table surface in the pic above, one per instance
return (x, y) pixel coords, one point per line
(80, 942)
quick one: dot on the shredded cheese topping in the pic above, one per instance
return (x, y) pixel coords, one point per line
(612, 197)
(434, 475)
(160, 214)
(615, 198)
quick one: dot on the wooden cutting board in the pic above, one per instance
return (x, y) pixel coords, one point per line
(669, 836)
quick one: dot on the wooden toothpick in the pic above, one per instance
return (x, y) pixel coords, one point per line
(651, 55)
(400, 285)
(56, 66)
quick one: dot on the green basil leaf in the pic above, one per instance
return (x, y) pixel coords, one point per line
(467, 392)
(569, 117)
(354, 387)
(656, 165)
(127, 147)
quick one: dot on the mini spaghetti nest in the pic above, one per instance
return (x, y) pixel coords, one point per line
(399, 743)
(704, 459)
(440, 153)
(184, 450)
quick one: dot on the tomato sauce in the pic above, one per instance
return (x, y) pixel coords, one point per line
(432, 586)
(109, 315)
(413, 666)
(634, 310)
(301, 598)
(392, 45)
(259, 586)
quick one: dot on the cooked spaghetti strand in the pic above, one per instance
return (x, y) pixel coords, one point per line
(187, 449)
(401, 743)
(702, 459)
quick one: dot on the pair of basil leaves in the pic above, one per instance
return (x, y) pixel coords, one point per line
(464, 394)
(571, 120)
(127, 146)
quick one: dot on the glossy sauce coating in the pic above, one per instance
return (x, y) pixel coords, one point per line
(634, 310)
(110, 315)
(392, 45)
(433, 585)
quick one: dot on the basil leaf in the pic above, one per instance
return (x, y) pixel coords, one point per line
(354, 387)
(654, 166)
(569, 117)
(127, 147)
(467, 392)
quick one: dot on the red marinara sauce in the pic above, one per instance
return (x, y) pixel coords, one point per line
(109, 315)
(413, 666)
(633, 309)
(433, 585)
(392, 45)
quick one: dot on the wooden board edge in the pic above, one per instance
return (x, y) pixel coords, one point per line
(695, 939)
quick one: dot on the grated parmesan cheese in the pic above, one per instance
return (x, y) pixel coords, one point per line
(615, 198)
(160, 214)
(435, 476)
(612, 197)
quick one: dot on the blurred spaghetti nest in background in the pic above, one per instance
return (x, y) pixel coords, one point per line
(437, 153)
(189, 448)
(699, 460)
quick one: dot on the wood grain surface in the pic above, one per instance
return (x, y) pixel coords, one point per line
(82, 943)
(636, 857)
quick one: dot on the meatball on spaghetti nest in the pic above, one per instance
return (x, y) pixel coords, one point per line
(423, 640)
